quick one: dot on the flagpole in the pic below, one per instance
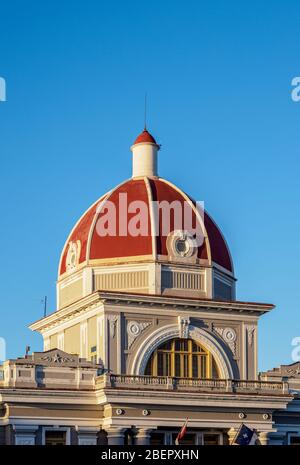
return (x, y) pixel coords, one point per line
(182, 432)
(237, 433)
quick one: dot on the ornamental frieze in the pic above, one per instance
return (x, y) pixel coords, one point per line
(134, 329)
(229, 336)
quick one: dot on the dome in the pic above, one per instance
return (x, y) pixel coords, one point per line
(121, 247)
(145, 137)
(146, 236)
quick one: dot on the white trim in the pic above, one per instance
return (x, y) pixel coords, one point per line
(25, 435)
(56, 428)
(244, 350)
(61, 340)
(87, 280)
(119, 299)
(200, 219)
(73, 320)
(98, 339)
(46, 343)
(84, 340)
(119, 343)
(152, 218)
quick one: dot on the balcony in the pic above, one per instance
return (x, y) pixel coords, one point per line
(165, 383)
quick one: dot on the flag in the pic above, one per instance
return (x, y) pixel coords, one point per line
(245, 436)
(182, 432)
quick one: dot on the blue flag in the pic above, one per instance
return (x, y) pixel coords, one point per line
(245, 436)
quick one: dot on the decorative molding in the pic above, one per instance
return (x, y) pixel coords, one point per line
(229, 336)
(91, 302)
(122, 280)
(293, 371)
(53, 357)
(134, 329)
(184, 326)
(113, 320)
(250, 333)
(27, 440)
(73, 255)
(176, 279)
(57, 358)
(182, 246)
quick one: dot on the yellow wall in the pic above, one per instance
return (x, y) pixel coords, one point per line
(53, 341)
(72, 339)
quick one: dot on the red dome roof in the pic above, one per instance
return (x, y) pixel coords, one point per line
(110, 248)
(145, 136)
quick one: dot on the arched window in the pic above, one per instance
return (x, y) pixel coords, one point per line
(182, 358)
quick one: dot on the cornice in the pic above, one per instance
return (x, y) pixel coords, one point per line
(231, 400)
(147, 301)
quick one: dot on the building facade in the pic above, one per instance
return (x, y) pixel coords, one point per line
(147, 332)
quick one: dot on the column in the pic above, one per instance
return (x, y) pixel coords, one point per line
(87, 436)
(115, 436)
(232, 432)
(263, 438)
(143, 436)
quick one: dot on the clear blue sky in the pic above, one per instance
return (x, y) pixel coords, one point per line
(218, 76)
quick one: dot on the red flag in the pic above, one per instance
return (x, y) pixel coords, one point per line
(182, 432)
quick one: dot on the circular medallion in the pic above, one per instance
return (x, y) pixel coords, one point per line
(133, 328)
(183, 244)
(72, 255)
(229, 335)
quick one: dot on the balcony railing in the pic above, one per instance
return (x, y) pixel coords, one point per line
(165, 383)
(154, 383)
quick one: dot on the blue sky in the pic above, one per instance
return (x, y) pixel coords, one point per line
(218, 77)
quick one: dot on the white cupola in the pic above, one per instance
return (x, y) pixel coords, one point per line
(144, 155)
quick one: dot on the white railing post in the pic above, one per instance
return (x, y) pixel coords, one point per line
(229, 385)
(170, 383)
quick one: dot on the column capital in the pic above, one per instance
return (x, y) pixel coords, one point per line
(115, 435)
(115, 430)
(143, 434)
(144, 429)
(263, 437)
(232, 432)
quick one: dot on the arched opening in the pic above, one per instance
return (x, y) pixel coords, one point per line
(182, 358)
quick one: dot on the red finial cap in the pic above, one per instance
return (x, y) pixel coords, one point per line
(145, 136)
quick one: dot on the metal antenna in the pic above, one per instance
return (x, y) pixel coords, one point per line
(145, 112)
